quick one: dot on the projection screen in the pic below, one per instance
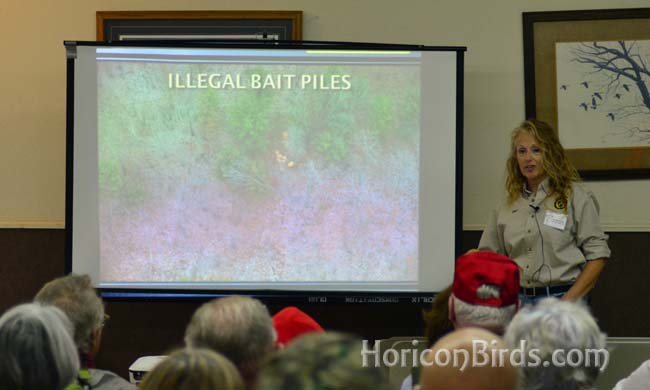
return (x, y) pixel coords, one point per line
(251, 167)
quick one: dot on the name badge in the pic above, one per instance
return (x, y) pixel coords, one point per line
(555, 220)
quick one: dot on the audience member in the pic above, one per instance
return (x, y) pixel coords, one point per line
(436, 325)
(436, 320)
(638, 380)
(331, 361)
(193, 369)
(484, 294)
(239, 327)
(76, 297)
(485, 291)
(37, 350)
(469, 359)
(547, 334)
(292, 322)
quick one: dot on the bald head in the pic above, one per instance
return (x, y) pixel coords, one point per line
(453, 367)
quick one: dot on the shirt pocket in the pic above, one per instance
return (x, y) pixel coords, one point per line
(563, 241)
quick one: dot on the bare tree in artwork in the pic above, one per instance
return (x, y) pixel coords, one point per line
(616, 84)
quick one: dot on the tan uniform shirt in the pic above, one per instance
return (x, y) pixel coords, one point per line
(530, 232)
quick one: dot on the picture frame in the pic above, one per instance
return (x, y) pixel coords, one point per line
(543, 32)
(203, 25)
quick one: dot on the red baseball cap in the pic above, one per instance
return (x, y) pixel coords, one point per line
(291, 322)
(486, 268)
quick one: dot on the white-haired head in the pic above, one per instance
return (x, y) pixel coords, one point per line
(37, 348)
(495, 319)
(557, 327)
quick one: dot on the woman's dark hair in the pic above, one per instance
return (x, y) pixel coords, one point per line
(436, 320)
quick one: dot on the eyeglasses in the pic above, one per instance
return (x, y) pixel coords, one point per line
(105, 320)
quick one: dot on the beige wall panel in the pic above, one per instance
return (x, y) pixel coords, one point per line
(32, 92)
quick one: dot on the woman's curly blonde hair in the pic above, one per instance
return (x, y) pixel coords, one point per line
(561, 173)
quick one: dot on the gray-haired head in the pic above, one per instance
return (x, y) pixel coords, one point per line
(76, 296)
(37, 348)
(239, 327)
(553, 325)
(321, 361)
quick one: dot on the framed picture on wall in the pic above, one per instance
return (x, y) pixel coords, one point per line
(587, 73)
(205, 25)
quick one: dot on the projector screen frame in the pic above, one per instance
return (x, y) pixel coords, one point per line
(308, 296)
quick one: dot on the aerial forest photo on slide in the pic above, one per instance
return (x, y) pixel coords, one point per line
(213, 172)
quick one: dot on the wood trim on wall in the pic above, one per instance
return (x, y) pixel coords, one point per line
(294, 16)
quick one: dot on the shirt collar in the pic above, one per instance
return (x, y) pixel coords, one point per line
(543, 188)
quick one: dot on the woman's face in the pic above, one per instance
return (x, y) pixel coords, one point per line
(530, 160)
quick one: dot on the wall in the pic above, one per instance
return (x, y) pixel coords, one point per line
(32, 104)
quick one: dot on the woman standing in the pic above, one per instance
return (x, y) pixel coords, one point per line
(549, 223)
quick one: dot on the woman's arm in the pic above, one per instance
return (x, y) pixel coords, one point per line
(586, 280)
(591, 239)
(491, 240)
